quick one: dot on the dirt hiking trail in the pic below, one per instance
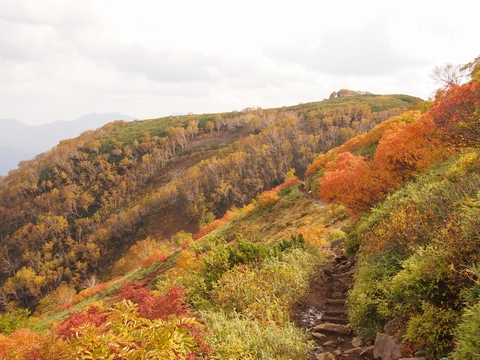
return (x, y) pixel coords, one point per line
(323, 313)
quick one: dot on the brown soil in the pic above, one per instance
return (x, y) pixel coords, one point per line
(325, 303)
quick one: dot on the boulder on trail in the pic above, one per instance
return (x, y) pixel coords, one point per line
(387, 347)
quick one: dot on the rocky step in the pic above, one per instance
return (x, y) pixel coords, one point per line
(340, 287)
(337, 301)
(338, 319)
(343, 273)
(335, 311)
(329, 328)
(342, 277)
(338, 295)
(342, 267)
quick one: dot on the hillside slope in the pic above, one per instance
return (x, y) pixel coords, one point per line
(405, 196)
(70, 214)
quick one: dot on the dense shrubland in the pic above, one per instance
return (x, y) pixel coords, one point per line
(414, 191)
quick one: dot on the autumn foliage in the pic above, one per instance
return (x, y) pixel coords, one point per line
(403, 151)
(351, 181)
(70, 326)
(142, 324)
(457, 110)
(155, 306)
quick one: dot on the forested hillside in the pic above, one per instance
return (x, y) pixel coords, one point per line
(194, 237)
(69, 214)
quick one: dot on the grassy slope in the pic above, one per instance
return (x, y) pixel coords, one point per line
(240, 333)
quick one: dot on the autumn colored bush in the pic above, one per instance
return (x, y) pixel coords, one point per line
(69, 327)
(268, 198)
(228, 217)
(209, 228)
(411, 148)
(27, 345)
(153, 305)
(457, 110)
(127, 335)
(141, 324)
(354, 182)
(402, 152)
(313, 235)
(359, 142)
(159, 255)
(91, 291)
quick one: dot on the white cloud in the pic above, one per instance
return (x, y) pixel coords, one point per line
(61, 59)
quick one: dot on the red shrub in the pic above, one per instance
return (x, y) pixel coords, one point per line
(154, 306)
(69, 326)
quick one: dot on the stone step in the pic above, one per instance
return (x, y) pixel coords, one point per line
(332, 328)
(338, 295)
(340, 287)
(335, 301)
(342, 267)
(330, 312)
(335, 319)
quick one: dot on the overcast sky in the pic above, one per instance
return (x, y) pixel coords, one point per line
(62, 59)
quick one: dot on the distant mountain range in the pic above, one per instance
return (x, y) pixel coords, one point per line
(19, 141)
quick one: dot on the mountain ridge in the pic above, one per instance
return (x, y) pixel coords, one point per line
(20, 141)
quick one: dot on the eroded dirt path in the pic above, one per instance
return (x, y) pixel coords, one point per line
(324, 314)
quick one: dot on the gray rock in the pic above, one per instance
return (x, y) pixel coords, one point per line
(337, 243)
(392, 326)
(326, 356)
(387, 347)
(357, 342)
(333, 328)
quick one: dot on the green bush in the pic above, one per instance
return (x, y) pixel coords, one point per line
(432, 329)
(268, 291)
(16, 319)
(368, 295)
(467, 335)
(234, 337)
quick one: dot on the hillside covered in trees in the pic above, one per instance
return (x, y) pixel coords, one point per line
(68, 215)
(196, 229)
